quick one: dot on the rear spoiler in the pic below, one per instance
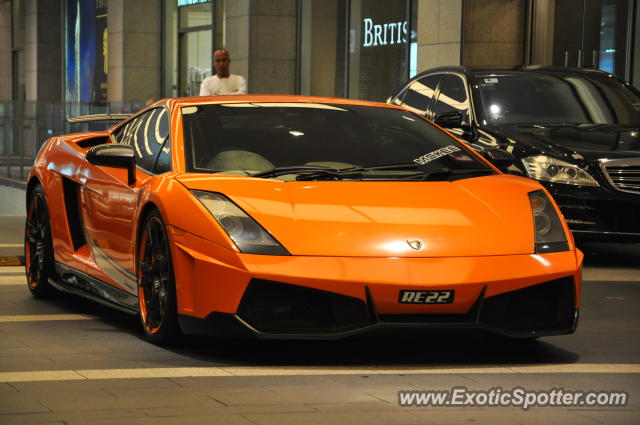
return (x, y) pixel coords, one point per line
(97, 117)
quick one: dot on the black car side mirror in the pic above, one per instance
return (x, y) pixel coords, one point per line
(448, 119)
(114, 155)
(499, 158)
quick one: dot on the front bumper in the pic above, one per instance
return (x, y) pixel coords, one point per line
(226, 293)
(598, 214)
(541, 310)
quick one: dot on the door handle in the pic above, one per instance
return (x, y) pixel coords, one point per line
(579, 58)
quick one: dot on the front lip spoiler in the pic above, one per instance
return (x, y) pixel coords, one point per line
(415, 326)
(231, 325)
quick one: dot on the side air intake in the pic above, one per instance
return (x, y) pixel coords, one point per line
(72, 207)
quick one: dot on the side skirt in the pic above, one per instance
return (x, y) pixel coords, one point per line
(75, 282)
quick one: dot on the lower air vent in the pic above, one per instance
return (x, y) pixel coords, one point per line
(95, 141)
(546, 306)
(276, 307)
(72, 207)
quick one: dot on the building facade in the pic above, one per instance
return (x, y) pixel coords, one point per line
(101, 51)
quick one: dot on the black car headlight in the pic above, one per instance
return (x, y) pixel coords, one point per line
(244, 231)
(547, 226)
(553, 170)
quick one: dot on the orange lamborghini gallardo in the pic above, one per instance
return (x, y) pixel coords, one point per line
(296, 217)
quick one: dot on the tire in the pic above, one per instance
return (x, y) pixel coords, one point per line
(38, 246)
(157, 299)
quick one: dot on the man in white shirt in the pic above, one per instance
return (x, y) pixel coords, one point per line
(223, 82)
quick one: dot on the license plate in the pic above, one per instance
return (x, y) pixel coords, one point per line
(426, 297)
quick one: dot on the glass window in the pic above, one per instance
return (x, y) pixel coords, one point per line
(248, 138)
(547, 99)
(195, 43)
(452, 97)
(356, 48)
(163, 163)
(378, 50)
(163, 142)
(149, 135)
(420, 93)
(400, 97)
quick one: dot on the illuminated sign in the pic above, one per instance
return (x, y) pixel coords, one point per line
(190, 2)
(384, 34)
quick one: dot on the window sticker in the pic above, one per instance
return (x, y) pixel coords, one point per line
(426, 158)
(491, 80)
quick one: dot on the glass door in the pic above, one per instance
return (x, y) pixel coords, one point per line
(195, 42)
(592, 34)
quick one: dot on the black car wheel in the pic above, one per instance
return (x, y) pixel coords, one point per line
(156, 287)
(38, 246)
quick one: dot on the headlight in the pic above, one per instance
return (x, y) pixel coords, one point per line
(554, 170)
(548, 229)
(246, 233)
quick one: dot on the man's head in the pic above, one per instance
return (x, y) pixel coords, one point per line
(221, 62)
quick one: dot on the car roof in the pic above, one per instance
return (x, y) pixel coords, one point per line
(533, 69)
(271, 98)
(179, 102)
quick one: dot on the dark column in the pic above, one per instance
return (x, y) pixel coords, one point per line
(135, 46)
(261, 38)
(439, 33)
(5, 51)
(43, 50)
(494, 32)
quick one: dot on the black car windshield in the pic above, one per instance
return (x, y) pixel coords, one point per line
(293, 139)
(571, 98)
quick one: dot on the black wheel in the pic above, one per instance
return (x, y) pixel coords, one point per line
(38, 246)
(156, 286)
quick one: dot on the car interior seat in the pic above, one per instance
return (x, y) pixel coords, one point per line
(239, 160)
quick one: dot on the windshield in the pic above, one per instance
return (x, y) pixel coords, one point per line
(251, 138)
(547, 99)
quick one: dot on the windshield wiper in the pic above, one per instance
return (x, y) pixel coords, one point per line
(296, 169)
(361, 172)
(340, 174)
(315, 172)
(447, 174)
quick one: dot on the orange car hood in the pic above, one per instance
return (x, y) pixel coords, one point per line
(470, 217)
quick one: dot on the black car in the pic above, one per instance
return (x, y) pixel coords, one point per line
(577, 131)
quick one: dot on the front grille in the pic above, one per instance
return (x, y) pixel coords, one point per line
(623, 174)
(545, 306)
(276, 307)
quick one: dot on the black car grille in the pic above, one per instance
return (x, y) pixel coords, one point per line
(276, 307)
(623, 174)
(279, 308)
(546, 306)
(592, 214)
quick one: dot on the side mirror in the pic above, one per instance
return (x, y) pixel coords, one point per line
(114, 155)
(499, 158)
(448, 119)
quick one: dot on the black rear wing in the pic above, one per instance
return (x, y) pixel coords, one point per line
(97, 117)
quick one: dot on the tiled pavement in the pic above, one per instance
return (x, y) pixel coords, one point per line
(366, 399)
(284, 383)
